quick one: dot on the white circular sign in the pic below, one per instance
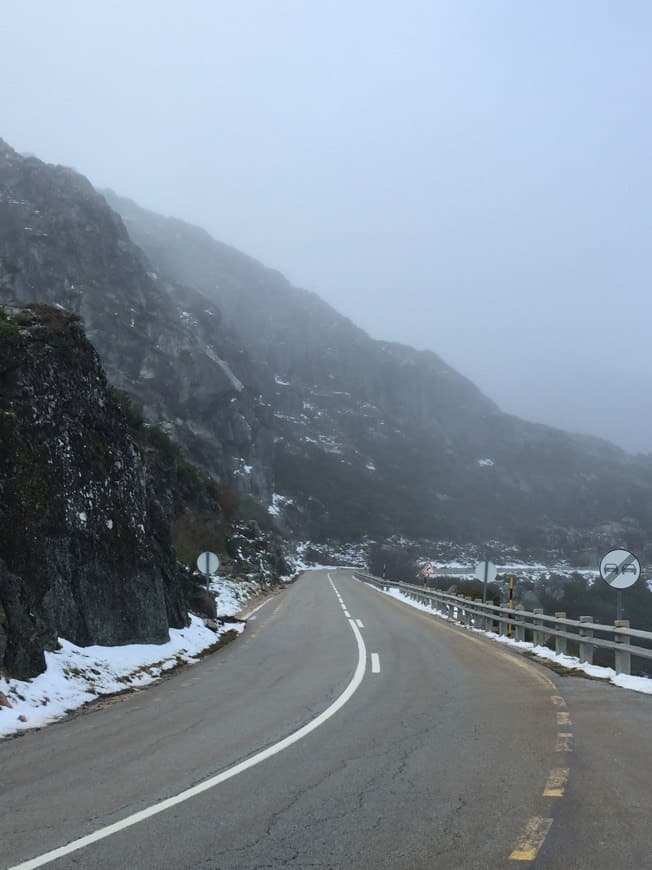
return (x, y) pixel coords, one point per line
(492, 571)
(208, 563)
(620, 569)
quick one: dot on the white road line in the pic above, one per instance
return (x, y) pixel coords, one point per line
(375, 663)
(346, 613)
(213, 781)
(359, 622)
(256, 609)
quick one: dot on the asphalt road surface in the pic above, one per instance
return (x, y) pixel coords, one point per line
(344, 729)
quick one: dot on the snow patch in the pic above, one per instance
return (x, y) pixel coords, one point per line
(278, 503)
(230, 597)
(75, 675)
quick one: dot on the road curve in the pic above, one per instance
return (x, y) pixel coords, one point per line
(344, 729)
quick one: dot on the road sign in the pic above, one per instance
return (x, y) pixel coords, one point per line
(620, 569)
(208, 563)
(486, 571)
(428, 570)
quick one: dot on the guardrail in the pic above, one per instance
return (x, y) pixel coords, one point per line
(533, 625)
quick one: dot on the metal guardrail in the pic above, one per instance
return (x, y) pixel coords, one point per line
(535, 625)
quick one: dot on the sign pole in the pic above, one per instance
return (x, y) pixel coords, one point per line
(619, 603)
(510, 603)
(484, 587)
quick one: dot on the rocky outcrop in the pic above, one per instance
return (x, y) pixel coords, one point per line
(85, 548)
(254, 554)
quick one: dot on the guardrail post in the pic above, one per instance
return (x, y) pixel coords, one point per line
(622, 659)
(586, 647)
(537, 633)
(519, 629)
(561, 644)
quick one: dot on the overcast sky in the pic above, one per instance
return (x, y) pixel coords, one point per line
(470, 177)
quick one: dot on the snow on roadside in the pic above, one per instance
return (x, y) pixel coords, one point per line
(75, 675)
(636, 684)
(230, 597)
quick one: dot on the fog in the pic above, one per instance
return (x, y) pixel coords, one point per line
(469, 177)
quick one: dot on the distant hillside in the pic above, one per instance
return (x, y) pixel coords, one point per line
(277, 395)
(377, 437)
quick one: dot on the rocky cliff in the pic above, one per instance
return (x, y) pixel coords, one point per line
(85, 549)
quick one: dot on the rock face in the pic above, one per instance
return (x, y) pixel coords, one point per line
(85, 547)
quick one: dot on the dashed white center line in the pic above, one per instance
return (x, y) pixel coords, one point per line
(346, 613)
(360, 625)
(375, 663)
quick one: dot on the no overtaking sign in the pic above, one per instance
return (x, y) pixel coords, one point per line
(620, 569)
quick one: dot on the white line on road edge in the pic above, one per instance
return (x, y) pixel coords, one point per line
(375, 663)
(213, 781)
(256, 609)
(359, 622)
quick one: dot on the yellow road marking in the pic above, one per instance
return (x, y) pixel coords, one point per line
(564, 739)
(556, 783)
(563, 718)
(558, 701)
(535, 833)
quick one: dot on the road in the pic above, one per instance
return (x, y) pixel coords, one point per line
(316, 741)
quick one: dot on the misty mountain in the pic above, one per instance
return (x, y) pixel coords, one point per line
(269, 388)
(383, 438)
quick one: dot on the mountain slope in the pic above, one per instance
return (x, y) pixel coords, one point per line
(60, 244)
(378, 437)
(275, 393)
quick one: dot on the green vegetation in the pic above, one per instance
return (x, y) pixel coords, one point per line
(10, 326)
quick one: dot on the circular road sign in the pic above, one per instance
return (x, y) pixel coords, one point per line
(620, 569)
(208, 563)
(491, 571)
